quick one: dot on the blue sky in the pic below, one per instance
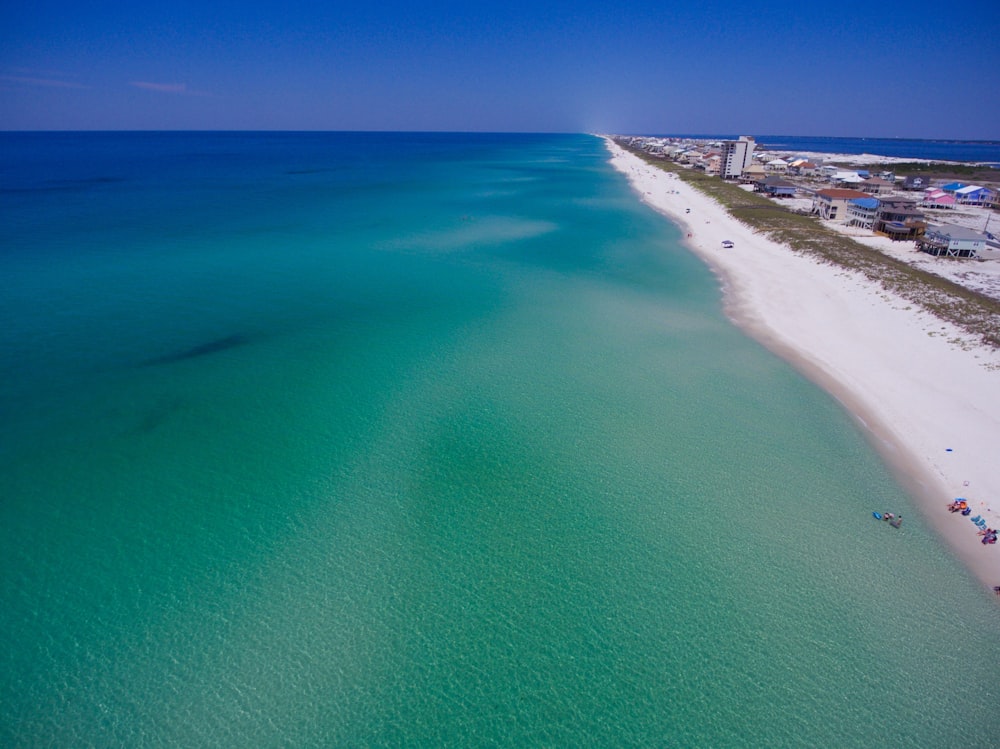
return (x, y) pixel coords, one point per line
(889, 69)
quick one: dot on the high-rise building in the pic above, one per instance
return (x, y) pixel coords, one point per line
(736, 156)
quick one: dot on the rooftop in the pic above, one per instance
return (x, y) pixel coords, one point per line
(842, 193)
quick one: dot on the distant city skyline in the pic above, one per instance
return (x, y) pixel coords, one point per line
(890, 69)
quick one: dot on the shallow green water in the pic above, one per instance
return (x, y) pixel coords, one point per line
(340, 440)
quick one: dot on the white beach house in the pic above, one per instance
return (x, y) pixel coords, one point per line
(949, 240)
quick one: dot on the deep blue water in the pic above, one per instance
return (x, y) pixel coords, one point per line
(430, 440)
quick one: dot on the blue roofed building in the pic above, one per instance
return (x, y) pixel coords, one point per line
(974, 195)
(861, 212)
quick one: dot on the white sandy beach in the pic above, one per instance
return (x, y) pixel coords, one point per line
(928, 394)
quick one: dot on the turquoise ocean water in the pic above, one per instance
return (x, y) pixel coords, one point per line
(430, 440)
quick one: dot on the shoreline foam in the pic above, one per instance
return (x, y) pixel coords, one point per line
(927, 395)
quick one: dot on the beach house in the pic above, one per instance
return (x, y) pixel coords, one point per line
(937, 198)
(775, 187)
(914, 182)
(711, 162)
(752, 174)
(831, 204)
(948, 240)
(842, 178)
(776, 166)
(861, 212)
(876, 186)
(899, 219)
(974, 195)
(803, 168)
(895, 218)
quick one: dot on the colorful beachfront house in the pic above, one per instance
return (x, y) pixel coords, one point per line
(953, 187)
(831, 204)
(937, 198)
(711, 162)
(895, 218)
(948, 240)
(861, 212)
(974, 195)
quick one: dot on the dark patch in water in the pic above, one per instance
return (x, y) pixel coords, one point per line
(158, 415)
(65, 185)
(205, 349)
(323, 170)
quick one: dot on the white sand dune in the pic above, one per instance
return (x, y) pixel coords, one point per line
(927, 393)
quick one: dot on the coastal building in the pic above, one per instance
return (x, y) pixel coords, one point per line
(899, 219)
(876, 186)
(937, 198)
(775, 187)
(776, 166)
(752, 174)
(895, 218)
(948, 240)
(736, 156)
(861, 212)
(914, 182)
(802, 168)
(974, 195)
(831, 204)
(842, 178)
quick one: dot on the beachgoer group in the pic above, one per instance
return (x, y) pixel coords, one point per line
(894, 520)
(989, 535)
(960, 505)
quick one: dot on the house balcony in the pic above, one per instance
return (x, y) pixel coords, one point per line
(900, 231)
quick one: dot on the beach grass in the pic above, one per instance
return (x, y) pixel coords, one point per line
(972, 312)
